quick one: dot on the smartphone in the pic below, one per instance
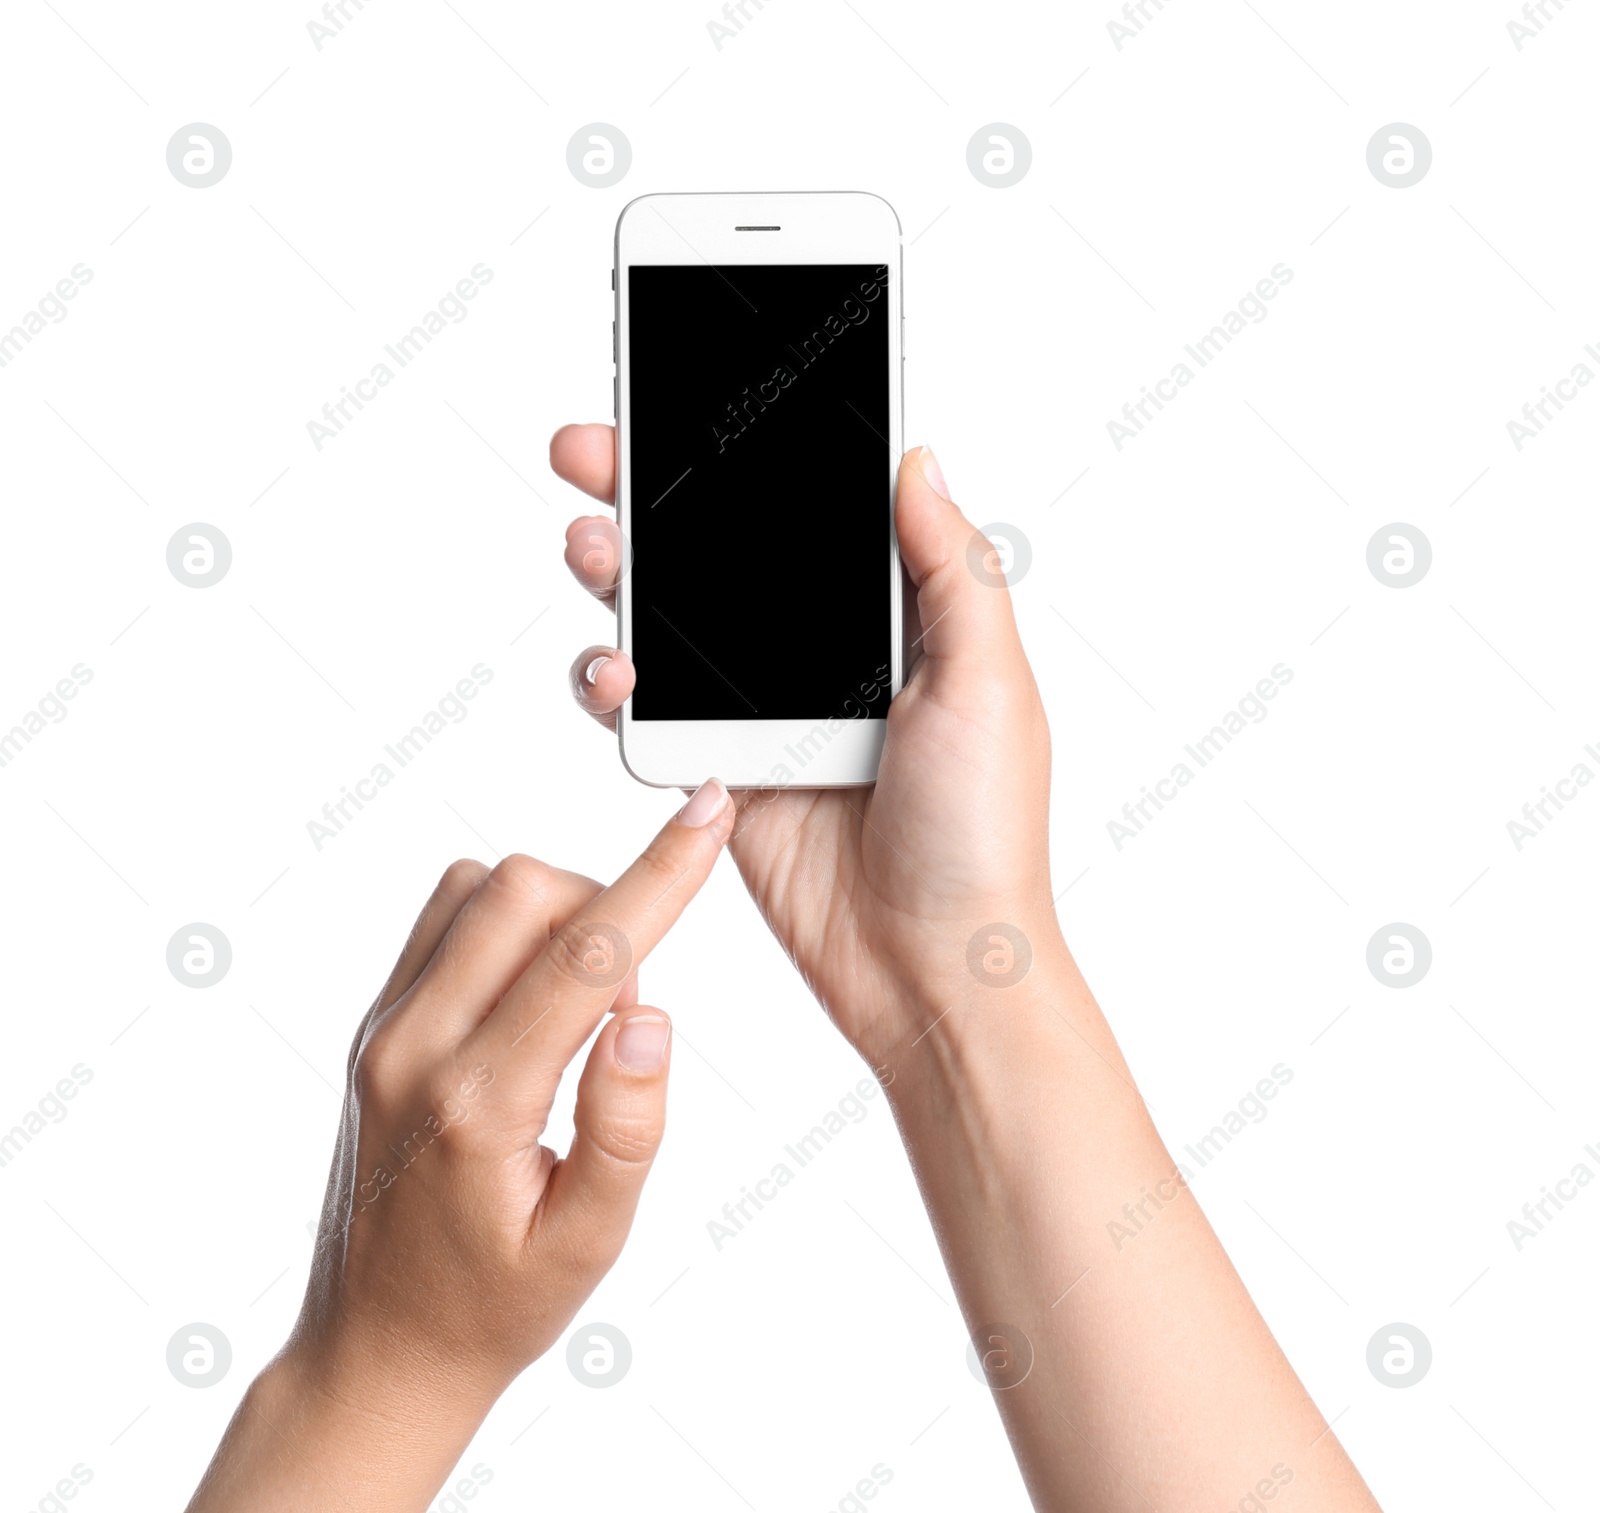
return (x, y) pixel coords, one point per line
(758, 404)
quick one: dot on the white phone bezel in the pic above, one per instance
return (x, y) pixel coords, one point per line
(690, 229)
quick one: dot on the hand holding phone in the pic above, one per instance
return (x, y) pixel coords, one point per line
(921, 914)
(877, 894)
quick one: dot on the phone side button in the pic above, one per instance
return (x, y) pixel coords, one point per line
(613, 398)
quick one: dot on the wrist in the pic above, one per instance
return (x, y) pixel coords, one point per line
(292, 1445)
(938, 970)
(366, 1394)
(314, 1432)
(988, 1052)
(959, 974)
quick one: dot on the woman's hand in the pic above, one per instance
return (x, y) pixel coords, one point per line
(877, 893)
(454, 1248)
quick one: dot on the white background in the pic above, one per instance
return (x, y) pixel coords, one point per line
(1231, 535)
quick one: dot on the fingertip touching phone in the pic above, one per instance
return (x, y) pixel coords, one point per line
(759, 428)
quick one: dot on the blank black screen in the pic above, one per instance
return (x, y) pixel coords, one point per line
(760, 525)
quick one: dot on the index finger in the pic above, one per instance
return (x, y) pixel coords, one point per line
(551, 1010)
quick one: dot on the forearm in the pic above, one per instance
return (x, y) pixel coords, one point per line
(1153, 1379)
(297, 1442)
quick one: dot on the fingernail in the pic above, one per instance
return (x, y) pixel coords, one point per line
(592, 671)
(705, 803)
(933, 473)
(642, 1042)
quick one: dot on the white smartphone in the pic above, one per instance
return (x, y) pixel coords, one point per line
(758, 407)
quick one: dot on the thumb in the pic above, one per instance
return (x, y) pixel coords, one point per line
(617, 1127)
(963, 603)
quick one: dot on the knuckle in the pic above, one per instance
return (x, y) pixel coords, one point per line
(659, 863)
(380, 1067)
(590, 954)
(522, 877)
(461, 877)
(567, 950)
(627, 1140)
(356, 1042)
